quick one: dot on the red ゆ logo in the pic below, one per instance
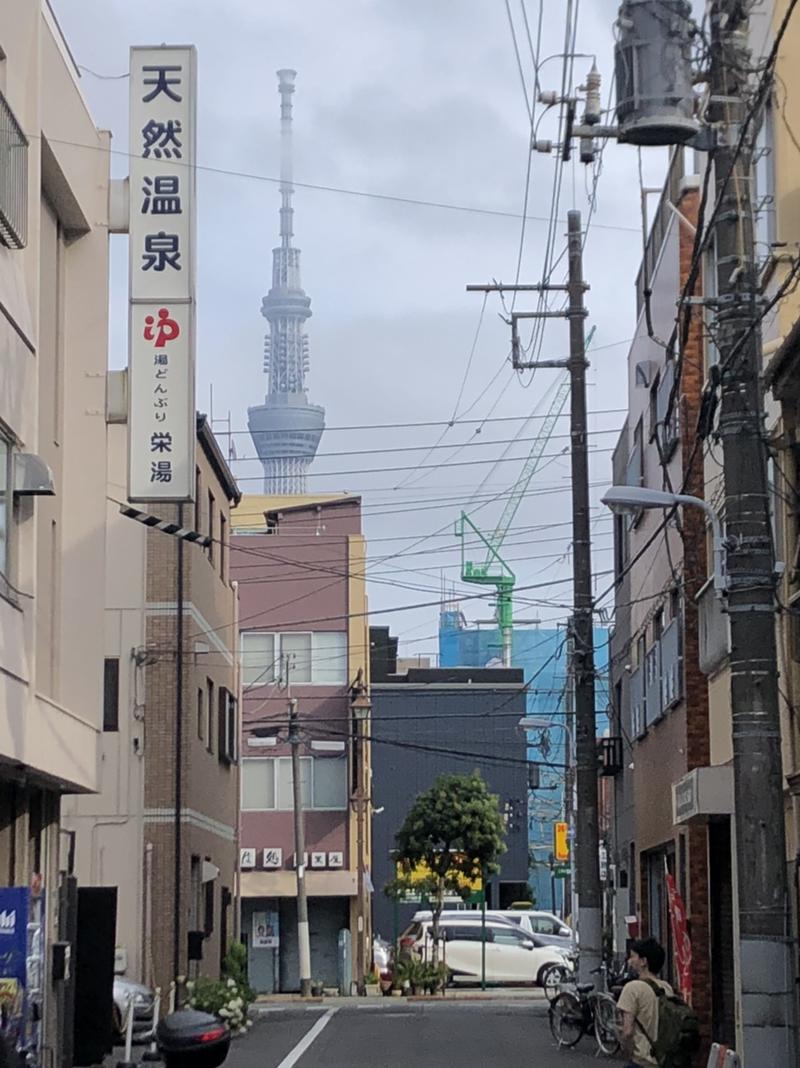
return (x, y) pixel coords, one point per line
(166, 329)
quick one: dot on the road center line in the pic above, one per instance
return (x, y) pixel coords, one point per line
(311, 1036)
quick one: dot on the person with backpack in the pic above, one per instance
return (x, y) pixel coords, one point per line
(659, 1030)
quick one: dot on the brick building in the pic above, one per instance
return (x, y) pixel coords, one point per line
(660, 695)
(126, 833)
(300, 567)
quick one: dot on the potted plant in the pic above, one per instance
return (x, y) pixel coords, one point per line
(317, 988)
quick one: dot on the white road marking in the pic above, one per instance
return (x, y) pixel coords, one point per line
(311, 1036)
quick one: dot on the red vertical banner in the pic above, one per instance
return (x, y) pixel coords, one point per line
(680, 939)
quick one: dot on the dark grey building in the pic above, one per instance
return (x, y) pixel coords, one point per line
(433, 721)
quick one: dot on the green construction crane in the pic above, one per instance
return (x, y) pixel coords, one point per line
(495, 571)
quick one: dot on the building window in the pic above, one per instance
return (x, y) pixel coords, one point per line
(201, 713)
(258, 785)
(330, 783)
(285, 783)
(318, 658)
(198, 502)
(211, 526)
(111, 693)
(13, 180)
(267, 783)
(258, 658)
(223, 545)
(296, 657)
(210, 715)
(6, 513)
(226, 727)
(620, 546)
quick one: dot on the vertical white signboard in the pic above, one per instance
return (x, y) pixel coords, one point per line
(161, 413)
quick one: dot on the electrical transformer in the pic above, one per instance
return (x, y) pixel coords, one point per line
(655, 102)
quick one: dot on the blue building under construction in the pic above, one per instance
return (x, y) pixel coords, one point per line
(543, 654)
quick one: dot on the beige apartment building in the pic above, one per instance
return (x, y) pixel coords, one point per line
(126, 833)
(54, 185)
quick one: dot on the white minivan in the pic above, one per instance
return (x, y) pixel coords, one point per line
(546, 924)
(512, 956)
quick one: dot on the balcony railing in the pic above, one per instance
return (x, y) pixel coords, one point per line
(13, 179)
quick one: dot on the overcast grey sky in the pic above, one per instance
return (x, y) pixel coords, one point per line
(418, 99)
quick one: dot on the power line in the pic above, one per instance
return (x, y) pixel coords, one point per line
(419, 467)
(320, 188)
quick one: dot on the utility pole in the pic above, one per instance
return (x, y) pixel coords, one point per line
(178, 784)
(766, 1010)
(586, 830)
(586, 845)
(303, 940)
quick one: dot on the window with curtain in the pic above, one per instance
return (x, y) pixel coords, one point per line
(286, 785)
(258, 784)
(258, 658)
(329, 657)
(296, 649)
(330, 783)
(267, 783)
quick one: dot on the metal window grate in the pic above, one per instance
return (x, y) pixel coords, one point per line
(13, 179)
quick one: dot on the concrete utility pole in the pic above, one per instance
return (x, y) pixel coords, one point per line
(586, 824)
(586, 848)
(178, 783)
(303, 940)
(766, 1014)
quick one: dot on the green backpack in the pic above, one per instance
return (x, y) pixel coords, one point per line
(678, 1030)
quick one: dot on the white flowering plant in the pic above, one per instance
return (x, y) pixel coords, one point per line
(228, 997)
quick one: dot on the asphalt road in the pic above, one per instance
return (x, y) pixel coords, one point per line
(398, 1034)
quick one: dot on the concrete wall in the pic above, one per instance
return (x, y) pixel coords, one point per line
(53, 331)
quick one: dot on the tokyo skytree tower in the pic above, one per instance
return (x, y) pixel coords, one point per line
(286, 429)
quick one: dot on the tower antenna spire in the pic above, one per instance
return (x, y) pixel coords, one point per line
(286, 79)
(286, 429)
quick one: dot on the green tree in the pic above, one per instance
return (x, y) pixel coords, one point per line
(452, 836)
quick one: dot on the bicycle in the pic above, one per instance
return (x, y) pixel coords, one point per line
(576, 1012)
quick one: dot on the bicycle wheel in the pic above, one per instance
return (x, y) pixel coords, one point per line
(552, 980)
(605, 1024)
(566, 1020)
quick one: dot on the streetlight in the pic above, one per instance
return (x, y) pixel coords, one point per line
(542, 723)
(621, 499)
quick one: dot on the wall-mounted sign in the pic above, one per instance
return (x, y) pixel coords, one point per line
(335, 860)
(247, 858)
(273, 858)
(318, 860)
(161, 227)
(265, 933)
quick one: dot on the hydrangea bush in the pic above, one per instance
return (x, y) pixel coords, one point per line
(228, 997)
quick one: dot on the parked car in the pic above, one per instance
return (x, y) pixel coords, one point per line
(125, 992)
(512, 956)
(532, 921)
(546, 924)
